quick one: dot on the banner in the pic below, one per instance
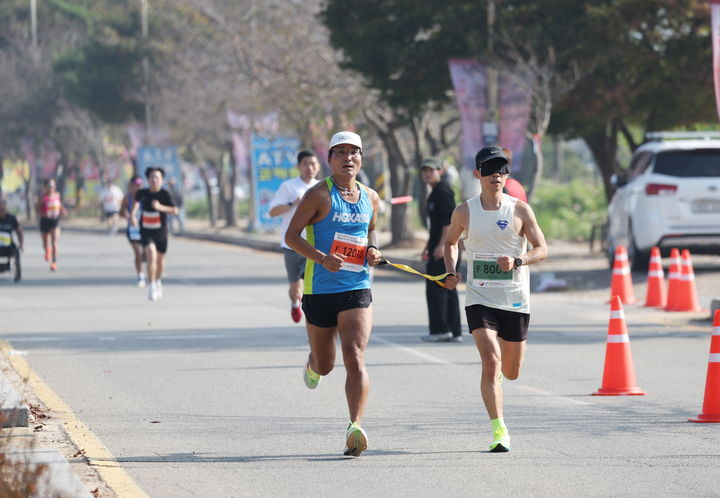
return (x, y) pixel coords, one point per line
(469, 79)
(165, 157)
(272, 161)
(715, 22)
(470, 83)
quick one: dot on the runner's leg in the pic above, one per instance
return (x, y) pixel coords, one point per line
(490, 355)
(150, 259)
(137, 251)
(354, 327)
(296, 291)
(512, 354)
(322, 348)
(159, 264)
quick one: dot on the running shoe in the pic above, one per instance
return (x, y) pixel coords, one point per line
(141, 282)
(437, 337)
(152, 292)
(311, 378)
(53, 266)
(456, 338)
(356, 440)
(501, 444)
(159, 289)
(296, 314)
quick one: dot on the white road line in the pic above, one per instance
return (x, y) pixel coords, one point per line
(435, 359)
(414, 352)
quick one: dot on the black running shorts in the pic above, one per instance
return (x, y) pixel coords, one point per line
(48, 224)
(157, 237)
(511, 326)
(322, 310)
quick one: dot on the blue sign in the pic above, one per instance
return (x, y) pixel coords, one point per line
(273, 162)
(164, 157)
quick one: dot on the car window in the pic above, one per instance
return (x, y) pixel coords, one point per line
(688, 163)
(639, 164)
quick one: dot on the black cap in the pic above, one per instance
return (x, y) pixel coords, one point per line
(431, 162)
(488, 153)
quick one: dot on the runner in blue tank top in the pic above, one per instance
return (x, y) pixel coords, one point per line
(338, 215)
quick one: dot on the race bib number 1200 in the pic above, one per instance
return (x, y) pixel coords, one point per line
(486, 272)
(353, 248)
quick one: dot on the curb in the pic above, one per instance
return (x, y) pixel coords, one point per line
(13, 412)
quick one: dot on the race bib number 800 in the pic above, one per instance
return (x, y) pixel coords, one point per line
(353, 248)
(486, 272)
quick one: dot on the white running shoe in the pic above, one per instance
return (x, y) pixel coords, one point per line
(355, 440)
(159, 289)
(152, 292)
(141, 281)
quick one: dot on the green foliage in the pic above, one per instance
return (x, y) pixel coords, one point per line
(104, 74)
(568, 211)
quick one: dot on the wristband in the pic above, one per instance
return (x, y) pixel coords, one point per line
(372, 247)
(290, 204)
(322, 260)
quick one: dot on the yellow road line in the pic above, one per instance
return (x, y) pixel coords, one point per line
(97, 454)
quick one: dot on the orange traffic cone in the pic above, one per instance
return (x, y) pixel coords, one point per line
(618, 374)
(686, 298)
(674, 282)
(655, 296)
(621, 284)
(711, 403)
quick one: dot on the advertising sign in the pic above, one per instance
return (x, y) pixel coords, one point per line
(273, 162)
(165, 157)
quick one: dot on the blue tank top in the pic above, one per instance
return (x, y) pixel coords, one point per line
(343, 231)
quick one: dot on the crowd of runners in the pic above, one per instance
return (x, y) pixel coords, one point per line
(329, 247)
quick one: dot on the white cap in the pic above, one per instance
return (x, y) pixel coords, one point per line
(345, 137)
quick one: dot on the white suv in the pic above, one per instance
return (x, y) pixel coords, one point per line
(669, 197)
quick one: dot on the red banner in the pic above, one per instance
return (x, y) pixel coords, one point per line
(715, 22)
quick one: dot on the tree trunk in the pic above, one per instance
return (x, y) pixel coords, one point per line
(208, 194)
(230, 210)
(603, 146)
(539, 165)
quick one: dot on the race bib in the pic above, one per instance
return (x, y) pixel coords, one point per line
(486, 272)
(151, 220)
(5, 239)
(353, 248)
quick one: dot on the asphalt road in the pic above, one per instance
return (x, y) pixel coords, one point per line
(200, 394)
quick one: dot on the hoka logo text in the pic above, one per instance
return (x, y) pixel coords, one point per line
(351, 217)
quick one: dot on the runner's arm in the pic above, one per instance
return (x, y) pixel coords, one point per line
(312, 208)
(281, 202)
(534, 234)
(458, 225)
(133, 213)
(124, 207)
(373, 255)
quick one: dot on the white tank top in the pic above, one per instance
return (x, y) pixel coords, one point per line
(492, 234)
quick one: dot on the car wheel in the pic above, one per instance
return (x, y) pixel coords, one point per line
(639, 260)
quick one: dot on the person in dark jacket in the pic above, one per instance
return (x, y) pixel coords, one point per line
(443, 305)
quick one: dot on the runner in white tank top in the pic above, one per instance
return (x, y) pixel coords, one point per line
(497, 229)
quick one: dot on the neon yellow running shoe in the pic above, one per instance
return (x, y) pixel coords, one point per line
(501, 444)
(311, 378)
(355, 440)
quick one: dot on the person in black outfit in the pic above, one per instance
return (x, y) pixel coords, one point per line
(443, 305)
(8, 248)
(155, 204)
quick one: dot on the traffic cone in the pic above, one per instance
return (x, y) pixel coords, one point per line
(686, 298)
(674, 282)
(618, 374)
(711, 403)
(621, 284)
(655, 296)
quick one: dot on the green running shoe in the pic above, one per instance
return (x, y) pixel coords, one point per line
(355, 440)
(501, 444)
(311, 378)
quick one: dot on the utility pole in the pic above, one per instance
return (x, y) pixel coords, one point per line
(490, 128)
(146, 71)
(33, 31)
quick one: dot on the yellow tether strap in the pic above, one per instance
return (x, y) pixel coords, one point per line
(434, 278)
